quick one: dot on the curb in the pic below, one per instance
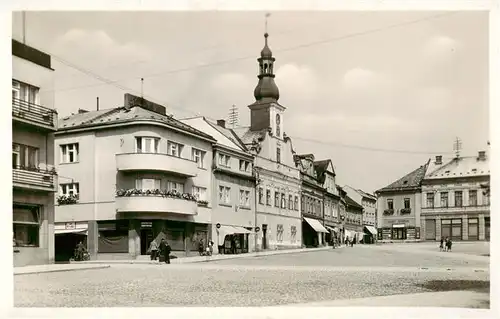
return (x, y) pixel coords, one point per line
(188, 260)
(58, 270)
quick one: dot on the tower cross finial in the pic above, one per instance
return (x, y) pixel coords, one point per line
(267, 16)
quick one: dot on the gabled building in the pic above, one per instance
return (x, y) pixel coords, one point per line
(278, 180)
(353, 226)
(325, 174)
(130, 175)
(454, 203)
(399, 207)
(233, 189)
(34, 178)
(369, 204)
(312, 195)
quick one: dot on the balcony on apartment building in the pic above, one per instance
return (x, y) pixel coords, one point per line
(155, 201)
(31, 114)
(34, 178)
(156, 162)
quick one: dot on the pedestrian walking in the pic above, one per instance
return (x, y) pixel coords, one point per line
(210, 247)
(441, 243)
(153, 248)
(165, 251)
(201, 245)
(448, 244)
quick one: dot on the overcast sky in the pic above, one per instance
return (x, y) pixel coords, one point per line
(396, 81)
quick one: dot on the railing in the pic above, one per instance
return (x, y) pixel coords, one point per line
(405, 211)
(388, 211)
(32, 176)
(33, 112)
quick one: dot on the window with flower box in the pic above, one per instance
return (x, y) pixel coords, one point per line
(175, 186)
(200, 193)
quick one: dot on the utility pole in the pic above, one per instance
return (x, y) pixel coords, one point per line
(233, 116)
(457, 146)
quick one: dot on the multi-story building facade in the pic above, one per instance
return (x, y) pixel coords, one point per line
(233, 189)
(399, 207)
(312, 194)
(34, 179)
(454, 204)
(278, 183)
(132, 174)
(331, 200)
(353, 221)
(369, 204)
(342, 213)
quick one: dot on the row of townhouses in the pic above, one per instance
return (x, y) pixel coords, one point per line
(439, 199)
(117, 179)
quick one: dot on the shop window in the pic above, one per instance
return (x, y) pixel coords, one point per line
(26, 226)
(473, 228)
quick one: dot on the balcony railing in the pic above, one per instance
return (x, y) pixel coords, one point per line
(34, 114)
(405, 211)
(156, 162)
(138, 200)
(34, 178)
(388, 211)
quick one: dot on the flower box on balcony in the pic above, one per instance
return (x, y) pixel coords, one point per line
(155, 192)
(67, 199)
(388, 211)
(203, 203)
(405, 210)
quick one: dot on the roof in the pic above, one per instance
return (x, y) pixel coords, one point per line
(350, 202)
(460, 167)
(247, 136)
(122, 115)
(321, 166)
(222, 135)
(410, 181)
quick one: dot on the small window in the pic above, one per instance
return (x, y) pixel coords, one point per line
(268, 197)
(290, 202)
(147, 183)
(198, 156)
(278, 155)
(244, 166)
(146, 144)
(407, 203)
(244, 198)
(276, 199)
(390, 203)
(261, 195)
(283, 201)
(200, 193)
(175, 149)
(69, 153)
(296, 203)
(224, 160)
(224, 195)
(68, 189)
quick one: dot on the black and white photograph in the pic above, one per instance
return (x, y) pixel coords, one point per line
(264, 157)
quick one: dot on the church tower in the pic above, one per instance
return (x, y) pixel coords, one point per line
(265, 112)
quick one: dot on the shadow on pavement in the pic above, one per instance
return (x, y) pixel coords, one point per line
(481, 286)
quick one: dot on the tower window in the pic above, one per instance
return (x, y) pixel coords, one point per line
(278, 125)
(265, 67)
(278, 155)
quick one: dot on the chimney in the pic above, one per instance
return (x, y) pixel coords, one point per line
(481, 155)
(439, 160)
(221, 123)
(81, 111)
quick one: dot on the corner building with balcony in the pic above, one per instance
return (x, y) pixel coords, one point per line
(130, 175)
(278, 218)
(454, 203)
(34, 179)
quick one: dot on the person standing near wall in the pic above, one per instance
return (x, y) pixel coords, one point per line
(153, 248)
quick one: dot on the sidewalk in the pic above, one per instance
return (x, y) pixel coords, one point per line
(198, 259)
(454, 299)
(36, 269)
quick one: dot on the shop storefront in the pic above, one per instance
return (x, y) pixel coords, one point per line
(333, 234)
(232, 239)
(67, 237)
(313, 232)
(370, 233)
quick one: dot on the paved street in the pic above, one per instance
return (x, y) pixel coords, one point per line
(299, 278)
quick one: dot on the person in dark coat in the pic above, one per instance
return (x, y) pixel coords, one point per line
(165, 250)
(441, 247)
(448, 244)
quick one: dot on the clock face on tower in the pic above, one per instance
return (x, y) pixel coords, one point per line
(278, 120)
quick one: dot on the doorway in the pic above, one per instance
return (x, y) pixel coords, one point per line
(264, 236)
(146, 239)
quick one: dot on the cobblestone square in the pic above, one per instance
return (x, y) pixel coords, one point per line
(297, 278)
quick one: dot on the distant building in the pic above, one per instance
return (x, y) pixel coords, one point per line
(331, 199)
(454, 203)
(233, 194)
(312, 198)
(353, 221)
(399, 207)
(369, 203)
(131, 175)
(34, 179)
